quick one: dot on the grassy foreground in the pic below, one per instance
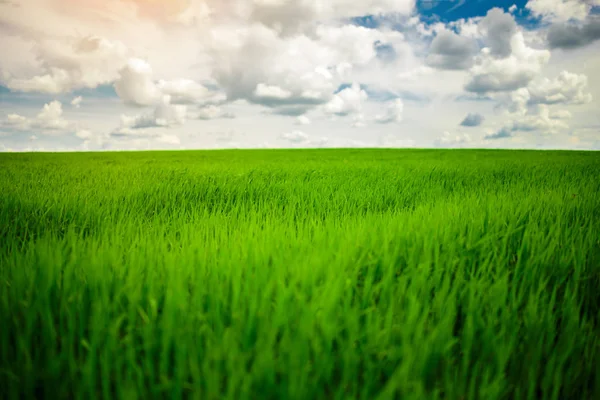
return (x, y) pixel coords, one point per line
(325, 274)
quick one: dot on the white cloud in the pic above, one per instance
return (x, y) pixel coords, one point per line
(76, 102)
(16, 121)
(467, 27)
(393, 112)
(508, 63)
(415, 74)
(212, 112)
(359, 121)
(267, 92)
(299, 138)
(164, 115)
(491, 74)
(49, 121)
(347, 101)
(560, 10)
(187, 91)
(69, 64)
(540, 119)
(302, 120)
(567, 88)
(292, 56)
(84, 134)
(135, 84)
(253, 62)
(295, 137)
(453, 140)
(561, 114)
(51, 117)
(519, 101)
(290, 17)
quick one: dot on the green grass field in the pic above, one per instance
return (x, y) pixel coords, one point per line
(321, 274)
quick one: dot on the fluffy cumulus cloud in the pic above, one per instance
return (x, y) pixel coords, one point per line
(348, 101)
(567, 88)
(256, 64)
(153, 74)
(539, 107)
(507, 63)
(498, 28)
(561, 10)
(164, 115)
(491, 74)
(541, 121)
(135, 84)
(188, 91)
(49, 121)
(68, 64)
(51, 117)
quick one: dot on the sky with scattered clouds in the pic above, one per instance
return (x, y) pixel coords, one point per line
(203, 74)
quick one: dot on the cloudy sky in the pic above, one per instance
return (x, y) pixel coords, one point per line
(184, 74)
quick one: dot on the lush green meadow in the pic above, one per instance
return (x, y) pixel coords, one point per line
(321, 274)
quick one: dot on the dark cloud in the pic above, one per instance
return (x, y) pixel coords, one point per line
(293, 106)
(451, 51)
(571, 36)
(498, 28)
(472, 120)
(385, 52)
(473, 97)
(490, 82)
(290, 111)
(503, 133)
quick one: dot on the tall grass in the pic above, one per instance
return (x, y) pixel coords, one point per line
(325, 274)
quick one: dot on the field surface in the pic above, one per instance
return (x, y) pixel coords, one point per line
(322, 274)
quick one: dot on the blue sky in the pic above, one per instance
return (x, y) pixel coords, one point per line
(451, 10)
(142, 74)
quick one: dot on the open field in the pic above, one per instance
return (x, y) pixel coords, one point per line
(322, 274)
